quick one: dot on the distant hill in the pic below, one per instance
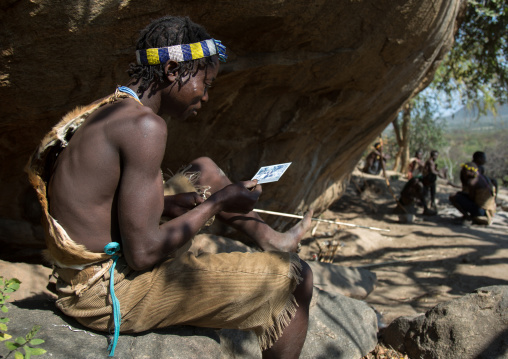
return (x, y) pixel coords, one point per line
(468, 120)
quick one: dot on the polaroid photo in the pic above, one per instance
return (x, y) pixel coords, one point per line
(271, 173)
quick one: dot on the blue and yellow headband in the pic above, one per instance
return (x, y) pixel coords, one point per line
(184, 52)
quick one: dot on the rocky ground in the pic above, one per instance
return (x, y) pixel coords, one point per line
(420, 264)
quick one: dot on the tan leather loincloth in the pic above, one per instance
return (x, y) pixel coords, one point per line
(247, 291)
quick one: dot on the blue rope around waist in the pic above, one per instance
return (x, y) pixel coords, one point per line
(111, 249)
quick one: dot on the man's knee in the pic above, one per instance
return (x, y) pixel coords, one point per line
(203, 162)
(207, 167)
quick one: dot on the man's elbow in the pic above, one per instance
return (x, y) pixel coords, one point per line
(139, 263)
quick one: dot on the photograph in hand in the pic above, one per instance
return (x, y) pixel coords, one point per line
(271, 173)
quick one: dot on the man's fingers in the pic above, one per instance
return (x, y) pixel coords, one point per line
(250, 185)
(198, 199)
(257, 189)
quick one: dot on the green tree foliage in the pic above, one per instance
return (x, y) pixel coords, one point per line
(476, 68)
(424, 131)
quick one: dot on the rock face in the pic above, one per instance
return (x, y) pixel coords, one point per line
(339, 327)
(474, 326)
(309, 83)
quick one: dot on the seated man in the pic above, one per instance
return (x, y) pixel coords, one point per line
(476, 200)
(375, 160)
(98, 178)
(411, 194)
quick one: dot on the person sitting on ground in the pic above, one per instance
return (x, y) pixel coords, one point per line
(98, 178)
(430, 174)
(375, 161)
(411, 194)
(480, 158)
(415, 166)
(476, 200)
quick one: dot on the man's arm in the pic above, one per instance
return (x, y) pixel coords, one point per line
(181, 203)
(141, 198)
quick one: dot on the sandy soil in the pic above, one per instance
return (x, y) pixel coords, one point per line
(418, 265)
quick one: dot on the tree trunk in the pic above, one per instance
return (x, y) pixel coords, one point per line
(406, 122)
(402, 137)
(398, 139)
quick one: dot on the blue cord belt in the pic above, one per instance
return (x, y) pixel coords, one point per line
(111, 249)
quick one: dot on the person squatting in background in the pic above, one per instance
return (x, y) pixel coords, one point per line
(476, 199)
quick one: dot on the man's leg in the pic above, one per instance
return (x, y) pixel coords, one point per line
(426, 210)
(290, 344)
(251, 223)
(433, 195)
(457, 201)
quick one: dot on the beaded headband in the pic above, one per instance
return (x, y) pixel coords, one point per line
(184, 52)
(469, 168)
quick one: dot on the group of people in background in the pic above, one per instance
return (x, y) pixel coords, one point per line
(475, 201)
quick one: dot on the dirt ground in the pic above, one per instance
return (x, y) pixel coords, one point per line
(418, 265)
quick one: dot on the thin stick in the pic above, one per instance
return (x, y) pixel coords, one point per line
(319, 220)
(402, 260)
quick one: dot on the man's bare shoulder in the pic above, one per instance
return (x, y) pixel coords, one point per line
(128, 120)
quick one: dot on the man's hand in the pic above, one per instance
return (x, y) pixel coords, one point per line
(238, 197)
(178, 204)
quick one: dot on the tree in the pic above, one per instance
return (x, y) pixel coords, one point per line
(401, 133)
(476, 68)
(420, 129)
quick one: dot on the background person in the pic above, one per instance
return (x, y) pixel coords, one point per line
(375, 160)
(430, 174)
(476, 200)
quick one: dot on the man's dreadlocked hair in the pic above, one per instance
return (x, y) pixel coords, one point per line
(168, 31)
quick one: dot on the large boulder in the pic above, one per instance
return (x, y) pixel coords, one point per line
(471, 327)
(312, 83)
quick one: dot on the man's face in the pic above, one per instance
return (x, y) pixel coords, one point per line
(186, 99)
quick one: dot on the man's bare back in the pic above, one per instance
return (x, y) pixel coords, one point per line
(87, 173)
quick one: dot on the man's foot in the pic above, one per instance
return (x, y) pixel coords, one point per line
(484, 220)
(289, 241)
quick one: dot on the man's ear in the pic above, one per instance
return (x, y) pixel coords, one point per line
(169, 70)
